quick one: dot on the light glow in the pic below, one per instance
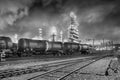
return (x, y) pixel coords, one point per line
(54, 30)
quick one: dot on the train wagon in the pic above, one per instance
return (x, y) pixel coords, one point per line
(29, 47)
(85, 49)
(70, 47)
(55, 48)
(6, 46)
(5, 43)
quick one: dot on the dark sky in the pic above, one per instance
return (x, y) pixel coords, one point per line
(97, 18)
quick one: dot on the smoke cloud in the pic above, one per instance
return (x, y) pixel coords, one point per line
(97, 19)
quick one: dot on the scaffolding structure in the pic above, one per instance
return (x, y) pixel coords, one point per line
(73, 32)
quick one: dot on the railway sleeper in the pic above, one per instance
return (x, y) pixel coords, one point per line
(2, 76)
(63, 71)
(59, 74)
(50, 75)
(5, 75)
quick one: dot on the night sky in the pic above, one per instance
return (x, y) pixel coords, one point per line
(97, 18)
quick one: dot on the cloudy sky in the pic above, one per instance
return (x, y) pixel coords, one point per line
(97, 18)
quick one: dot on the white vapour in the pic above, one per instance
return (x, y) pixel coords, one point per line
(12, 10)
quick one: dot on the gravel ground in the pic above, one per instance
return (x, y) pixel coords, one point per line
(24, 65)
(27, 76)
(97, 70)
(88, 73)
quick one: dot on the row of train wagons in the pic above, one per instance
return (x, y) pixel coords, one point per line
(28, 47)
(44, 47)
(39, 47)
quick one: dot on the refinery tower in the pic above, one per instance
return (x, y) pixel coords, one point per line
(73, 32)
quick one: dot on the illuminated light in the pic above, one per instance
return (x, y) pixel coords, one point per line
(35, 38)
(65, 40)
(53, 33)
(54, 30)
(40, 33)
(49, 39)
(72, 14)
(15, 38)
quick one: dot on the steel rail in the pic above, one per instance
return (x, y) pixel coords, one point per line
(62, 78)
(32, 69)
(53, 71)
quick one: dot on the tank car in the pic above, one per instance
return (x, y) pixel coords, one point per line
(28, 47)
(70, 47)
(85, 49)
(56, 48)
(6, 46)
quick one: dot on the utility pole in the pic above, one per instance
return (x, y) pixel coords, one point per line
(103, 43)
(93, 43)
(53, 37)
(106, 46)
(112, 45)
(61, 36)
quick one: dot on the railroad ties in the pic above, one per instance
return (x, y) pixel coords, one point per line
(63, 72)
(37, 68)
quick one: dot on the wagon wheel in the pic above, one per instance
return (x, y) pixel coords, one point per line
(59, 53)
(29, 53)
(54, 54)
(19, 54)
(71, 52)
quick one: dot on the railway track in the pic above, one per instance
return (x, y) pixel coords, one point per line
(64, 71)
(38, 68)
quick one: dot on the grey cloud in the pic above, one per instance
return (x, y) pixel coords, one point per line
(97, 18)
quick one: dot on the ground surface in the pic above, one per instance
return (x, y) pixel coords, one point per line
(95, 71)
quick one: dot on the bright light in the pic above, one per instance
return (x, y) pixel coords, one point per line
(53, 30)
(37, 38)
(65, 40)
(15, 38)
(72, 14)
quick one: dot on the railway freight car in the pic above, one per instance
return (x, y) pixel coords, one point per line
(56, 48)
(70, 47)
(85, 49)
(28, 47)
(6, 46)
